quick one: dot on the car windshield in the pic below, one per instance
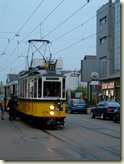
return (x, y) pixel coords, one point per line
(79, 101)
(111, 103)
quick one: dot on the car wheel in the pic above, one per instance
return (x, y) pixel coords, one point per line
(92, 115)
(71, 111)
(102, 116)
(114, 119)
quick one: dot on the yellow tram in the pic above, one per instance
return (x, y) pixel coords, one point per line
(41, 93)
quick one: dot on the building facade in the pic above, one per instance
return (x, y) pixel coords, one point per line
(108, 35)
(108, 47)
(107, 62)
(73, 80)
(116, 36)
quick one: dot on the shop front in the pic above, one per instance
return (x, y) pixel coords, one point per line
(108, 91)
(111, 88)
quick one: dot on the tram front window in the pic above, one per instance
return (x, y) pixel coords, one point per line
(52, 89)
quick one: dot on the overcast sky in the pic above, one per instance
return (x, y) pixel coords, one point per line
(69, 24)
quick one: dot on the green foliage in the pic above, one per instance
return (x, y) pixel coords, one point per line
(83, 90)
(93, 96)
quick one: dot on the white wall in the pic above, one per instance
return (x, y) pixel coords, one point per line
(73, 82)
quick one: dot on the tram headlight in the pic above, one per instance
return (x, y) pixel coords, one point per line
(51, 107)
(51, 113)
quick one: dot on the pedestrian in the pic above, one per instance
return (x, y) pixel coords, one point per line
(2, 110)
(12, 108)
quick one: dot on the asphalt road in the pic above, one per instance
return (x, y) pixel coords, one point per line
(81, 139)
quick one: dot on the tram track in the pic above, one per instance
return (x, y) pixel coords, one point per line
(74, 148)
(24, 137)
(107, 149)
(93, 129)
(85, 152)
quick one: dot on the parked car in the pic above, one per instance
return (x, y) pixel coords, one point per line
(105, 109)
(116, 116)
(76, 105)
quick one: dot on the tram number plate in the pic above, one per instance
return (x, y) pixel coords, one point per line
(52, 66)
(59, 109)
(45, 112)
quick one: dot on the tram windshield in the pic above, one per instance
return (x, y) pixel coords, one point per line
(52, 89)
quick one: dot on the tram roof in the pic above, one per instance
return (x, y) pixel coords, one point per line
(42, 72)
(11, 83)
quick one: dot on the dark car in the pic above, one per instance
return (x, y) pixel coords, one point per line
(76, 105)
(105, 109)
(116, 116)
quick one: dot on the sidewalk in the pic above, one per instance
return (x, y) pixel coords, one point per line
(7, 136)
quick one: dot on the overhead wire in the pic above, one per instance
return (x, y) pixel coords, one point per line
(65, 34)
(84, 39)
(46, 18)
(66, 19)
(29, 18)
(60, 23)
(3, 16)
(71, 44)
(78, 27)
(43, 20)
(73, 29)
(5, 63)
(5, 12)
(23, 25)
(82, 24)
(18, 32)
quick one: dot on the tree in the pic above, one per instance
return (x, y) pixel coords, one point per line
(83, 90)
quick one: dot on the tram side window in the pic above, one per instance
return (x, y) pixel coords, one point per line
(52, 89)
(31, 87)
(12, 89)
(21, 88)
(63, 93)
(39, 87)
(8, 91)
(28, 88)
(25, 88)
(35, 87)
(23, 93)
(16, 89)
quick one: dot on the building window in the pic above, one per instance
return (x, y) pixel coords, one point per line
(103, 40)
(103, 20)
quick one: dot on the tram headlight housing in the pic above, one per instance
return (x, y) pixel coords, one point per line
(51, 113)
(51, 107)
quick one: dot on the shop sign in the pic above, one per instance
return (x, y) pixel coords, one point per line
(108, 85)
(94, 83)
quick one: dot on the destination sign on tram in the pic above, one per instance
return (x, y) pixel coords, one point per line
(51, 67)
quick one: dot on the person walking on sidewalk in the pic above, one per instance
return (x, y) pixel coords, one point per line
(12, 108)
(2, 110)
